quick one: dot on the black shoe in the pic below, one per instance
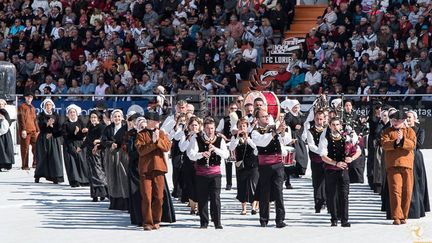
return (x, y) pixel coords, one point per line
(333, 223)
(36, 180)
(317, 210)
(102, 198)
(289, 186)
(218, 227)
(204, 226)
(95, 199)
(228, 187)
(346, 224)
(263, 224)
(280, 225)
(253, 212)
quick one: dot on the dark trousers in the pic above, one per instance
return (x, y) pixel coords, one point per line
(228, 172)
(209, 186)
(337, 190)
(370, 161)
(318, 183)
(270, 187)
(176, 176)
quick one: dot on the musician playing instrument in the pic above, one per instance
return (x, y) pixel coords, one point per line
(209, 151)
(176, 154)
(170, 122)
(246, 154)
(332, 151)
(225, 127)
(270, 141)
(188, 166)
(318, 177)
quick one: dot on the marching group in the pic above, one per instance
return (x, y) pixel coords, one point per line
(126, 161)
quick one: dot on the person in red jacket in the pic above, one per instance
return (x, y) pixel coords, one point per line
(151, 144)
(28, 129)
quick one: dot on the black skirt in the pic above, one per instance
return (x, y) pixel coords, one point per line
(134, 193)
(168, 212)
(116, 164)
(6, 151)
(188, 180)
(356, 170)
(77, 168)
(49, 158)
(98, 184)
(247, 180)
(420, 195)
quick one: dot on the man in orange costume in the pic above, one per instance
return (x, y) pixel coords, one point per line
(399, 142)
(28, 129)
(151, 143)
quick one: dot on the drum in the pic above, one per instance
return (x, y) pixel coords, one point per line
(288, 159)
(270, 99)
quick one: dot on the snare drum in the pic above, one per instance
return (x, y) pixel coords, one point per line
(288, 158)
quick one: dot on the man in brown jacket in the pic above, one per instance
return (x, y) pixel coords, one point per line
(151, 143)
(399, 142)
(28, 128)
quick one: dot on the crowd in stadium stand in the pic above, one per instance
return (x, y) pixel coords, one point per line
(146, 47)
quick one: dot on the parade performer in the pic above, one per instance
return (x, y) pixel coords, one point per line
(317, 164)
(270, 141)
(98, 183)
(225, 126)
(194, 127)
(420, 196)
(28, 129)
(399, 143)
(209, 151)
(246, 154)
(151, 144)
(48, 145)
(135, 123)
(73, 130)
(337, 156)
(6, 144)
(116, 161)
(294, 119)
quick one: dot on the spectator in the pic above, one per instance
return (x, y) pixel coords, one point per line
(48, 82)
(100, 88)
(297, 79)
(87, 86)
(236, 28)
(313, 78)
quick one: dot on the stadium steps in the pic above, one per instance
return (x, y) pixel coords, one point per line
(304, 20)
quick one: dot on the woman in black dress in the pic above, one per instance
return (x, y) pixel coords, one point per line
(295, 120)
(135, 125)
(116, 161)
(246, 154)
(48, 145)
(188, 167)
(420, 196)
(6, 144)
(378, 165)
(98, 184)
(74, 157)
